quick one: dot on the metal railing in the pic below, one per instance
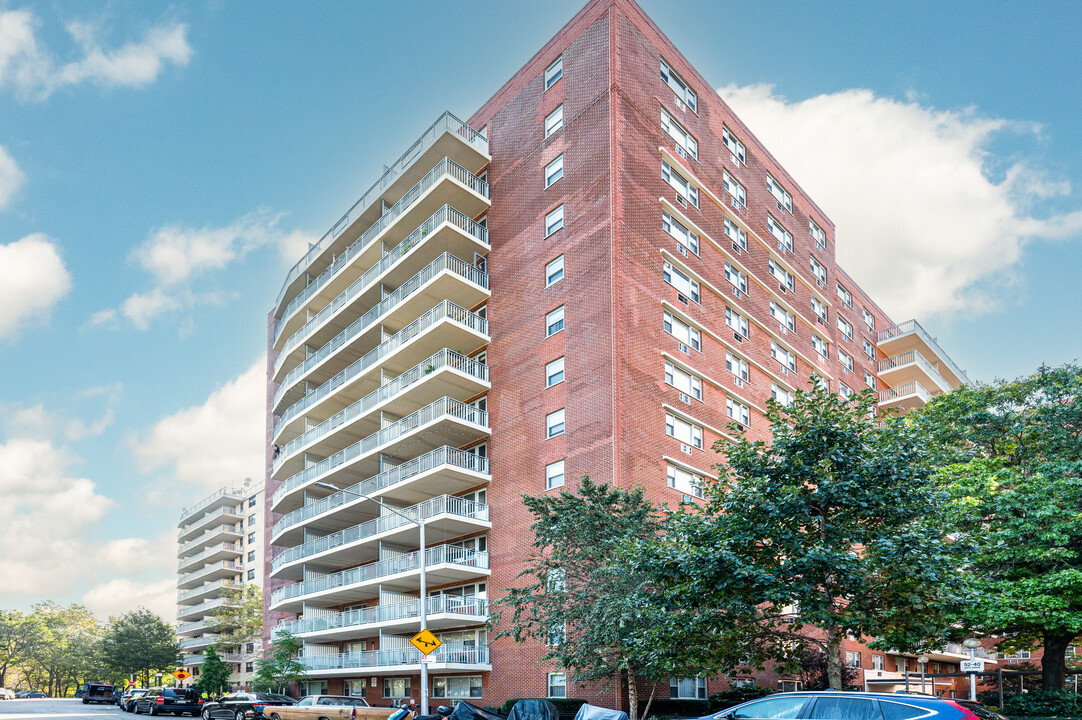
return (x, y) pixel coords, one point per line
(467, 605)
(443, 406)
(440, 505)
(202, 539)
(439, 555)
(205, 588)
(444, 263)
(240, 495)
(212, 550)
(445, 455)
(207, 622)
(226, 564)
(202, 640)
(206, 519)
(201, 607)
(912, 326)
(902, 391)
(444, 123)
(446, 309)
(459, 654)
(912, 357)
(443, 359)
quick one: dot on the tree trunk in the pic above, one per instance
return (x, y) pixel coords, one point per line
(632, 696)
(834, 657)
(650, 700)
(1054, 663)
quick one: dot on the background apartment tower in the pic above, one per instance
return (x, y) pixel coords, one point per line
(220, 546)
(595, 275)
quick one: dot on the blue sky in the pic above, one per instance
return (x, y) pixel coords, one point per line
(162, 165)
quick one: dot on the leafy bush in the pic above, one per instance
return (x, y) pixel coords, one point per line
(1044, 703)
(734, 696)
(567, 707)
(668, 707)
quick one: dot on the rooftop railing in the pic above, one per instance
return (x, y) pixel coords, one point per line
(912, 326)
(459, 654)
(444, 123)
(468, 605)
(445, 455)
(240, 495)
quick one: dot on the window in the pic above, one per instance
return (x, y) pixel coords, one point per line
(251, 556)
(901, 664)
(251, 520)
(554, 372)
(869, 350)
(845, 327)
(820, 310)
(783, 236)
(248, 667)
(554, 221)
(686, 482)
(780, 194)
(679, 183)
(554, 171)
(852, 659)
(685, 142)
(845, 360)
(785, 318)
(250, 647)
(687, 688)
(735, 189)
(790, 686)
(684, 237)
(396, 687)
(683, 332)
(251, 501)
(783, 276)
(554, 423)
(557, 684)
(553, 72)
(736, 234)
(741, 682)
(683, 93)
(554, 475)
(869, 379)
(849, 708)
(735, 146)
(780, 394)
(820, 346)
(738, 412)
(736, 366)
(817, 234)
(681, 282)
(683, 381)
(251, 538)
(736, 278)
(683, 431)
(819, 270)
(869, 319)
(737, 322)
(554, 321)
(878, 662)
(845, 295)
(456, 687)
(845, 390)
(554, 121)
(783, 356)
(781, 708)
(554, 271)
(251, 574)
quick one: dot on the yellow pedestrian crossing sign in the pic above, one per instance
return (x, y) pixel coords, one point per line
(426, 642)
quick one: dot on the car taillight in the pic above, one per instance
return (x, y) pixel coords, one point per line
(353, 713)
(159, 699)
(200, 701)
(967, 714)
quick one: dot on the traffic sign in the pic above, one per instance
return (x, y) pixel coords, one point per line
(425, 641)
(972, 666)
(182, 675)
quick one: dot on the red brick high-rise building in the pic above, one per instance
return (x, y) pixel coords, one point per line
(594, 275)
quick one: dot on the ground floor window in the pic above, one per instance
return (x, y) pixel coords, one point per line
(354, 687)
(457, 687)
(852, 659)
(315, 687)
(396, 687)
(688, 688)
(557, 685)
(741, 682)
(790, 685)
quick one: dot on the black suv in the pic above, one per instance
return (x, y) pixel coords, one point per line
(242, 705)
(100, 693)
(169, 701)
(127, 700)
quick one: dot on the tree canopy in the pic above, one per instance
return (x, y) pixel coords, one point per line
(214, 675)
(281, 667)
(140, 642)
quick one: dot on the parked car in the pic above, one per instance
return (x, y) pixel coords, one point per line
(100, 693)
(242, 705)
(332, 707)
(829, 705)
(169, 701)
(127, 700)
(32, 694)
(6, 694)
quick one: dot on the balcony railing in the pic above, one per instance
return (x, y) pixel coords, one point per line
(902, 391)
(207, 622)
(912, 357)
(199, 641)
(443, 359)
(225, 564)
(445, 310)
(240, 495)
(203, 607)
(209, 587)
(445, 123)
(444, 263)
(439, 555)
(202, 539)
(445, 455)
(460, 654)
(227, 510)
(212, 550)
(468, 605)
(444, 406)
(441, 505)
(912, 326)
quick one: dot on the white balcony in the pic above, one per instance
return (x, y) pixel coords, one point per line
(445, 517)
(445, 470)
(199, 627)
(222, 533)
(203, 609)
(904, 397)
(221, 516)
(197, 660)
(203, 591)
(220, 551)
(911, 366)
(394, 662)
(910, 335)
(198, 643)
(445, 564)
(443, 612)
(447, 137)
(217, 571)
(222, 498)
(447, 373)
(445, 422)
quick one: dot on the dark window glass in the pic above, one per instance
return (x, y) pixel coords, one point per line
(784, 708)
(900, 711)
(845, 708)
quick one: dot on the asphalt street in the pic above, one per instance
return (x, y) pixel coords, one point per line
(46, 708)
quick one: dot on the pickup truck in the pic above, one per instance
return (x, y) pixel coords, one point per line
(331, 707)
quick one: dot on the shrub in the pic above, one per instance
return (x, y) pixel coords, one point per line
(1044, 703)
(668, 707)
(567, 707)
(725, 699)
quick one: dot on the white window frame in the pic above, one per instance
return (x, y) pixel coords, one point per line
(683, 91)
(819, 270)
(557, 685)
(785, 318)
(682, 282)
(819, 308)
(676, 686)
(780, 194)
(734, 188)
(818, 234)
(845, 360)
(736, 148)
(783, 236)
(736, 234)
(737, 366)
(552, 320)
(388, 687)
(683, 139)
(555, 475)
(820, 346)
(852, 659)
(683, 332)
(682, 235)
(554, 72)
(445, 679)
(554, 221)
(845, 390)
(870, 381)
(554, 121)
(554, 171)
(554, 372)
(869, 350)
(686, 432)
(845, 328)
(781, 395)
(682, 380)
(736, 322)
(554, 271)
(869, 319)
(736, 278)
(685, 481)
(782, 275)
(679, 183)
(738, 411)
(556, 423)
(783, 356)
(845, 295)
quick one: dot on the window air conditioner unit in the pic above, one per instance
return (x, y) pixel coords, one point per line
(737, 249)
(738, 337)
(684, 447)
(739, 383)
(733, 159)
(685, 398)
(684, 348)
(682, 250)
(681, 152)
(682, 299)
(681, 201)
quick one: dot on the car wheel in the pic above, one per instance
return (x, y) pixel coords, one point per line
(240, 714)
(206, 713)
(153, 710)
(276, 716)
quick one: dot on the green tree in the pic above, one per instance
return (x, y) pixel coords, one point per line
(63, 647)
(140, 642)
(595, 616)
(214, 676)
(282, 666)
(1010, 457)
(18, 633)
(240, 620)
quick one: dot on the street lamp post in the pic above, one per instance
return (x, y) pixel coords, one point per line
(972, 643)
(923, 660)
(419, 522)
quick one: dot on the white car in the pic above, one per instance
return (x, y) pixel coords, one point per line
(6, 694)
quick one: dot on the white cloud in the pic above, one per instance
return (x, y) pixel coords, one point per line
(119, 595)
(921, 223)
(33, 72)
(11, 177)
(218, 443)
(32, 279)
(142, 308)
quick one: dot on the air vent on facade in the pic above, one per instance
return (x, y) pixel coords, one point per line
(820, 320)
(821, 283)
(736, 292)
(781, 287)
(784, 330)
(785, 371)
(780, 206)
(733, 159)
